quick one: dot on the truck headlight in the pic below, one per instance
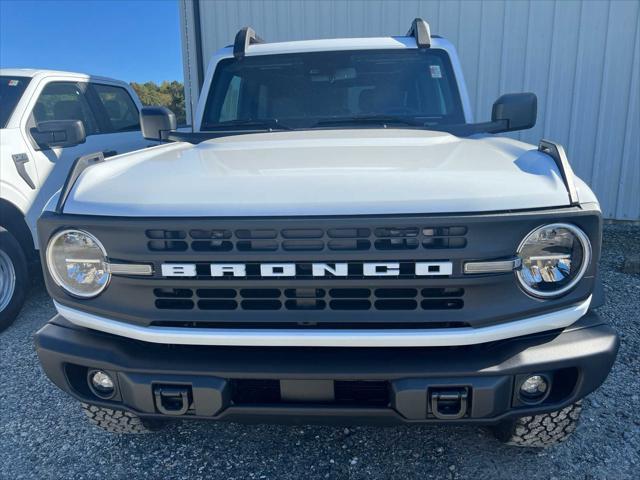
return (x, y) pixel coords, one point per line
(77, 261)
(554, 259)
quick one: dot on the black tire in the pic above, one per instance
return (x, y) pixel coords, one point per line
(119, 421)
(542, 430)
(14, 278)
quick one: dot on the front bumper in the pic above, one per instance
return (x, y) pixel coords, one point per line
(327, 385)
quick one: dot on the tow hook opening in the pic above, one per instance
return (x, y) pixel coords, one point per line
(450, 403)
(172, 400)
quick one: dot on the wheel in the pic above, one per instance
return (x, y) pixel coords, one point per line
(14, 278)
(542, 430)
(119, 421)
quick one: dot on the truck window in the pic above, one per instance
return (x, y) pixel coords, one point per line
(332, 85)
(229, 109)
(65, 101)
(120, 110)
(11, 89)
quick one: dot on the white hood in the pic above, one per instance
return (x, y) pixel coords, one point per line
(329, 172)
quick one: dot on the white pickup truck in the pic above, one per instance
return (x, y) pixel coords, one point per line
(36, 155)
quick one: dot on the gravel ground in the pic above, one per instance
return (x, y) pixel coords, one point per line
(43, 433)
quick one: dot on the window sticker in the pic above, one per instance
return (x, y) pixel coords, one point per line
(435, 71)
(14, 83)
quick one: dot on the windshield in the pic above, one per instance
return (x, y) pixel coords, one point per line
(11, 89)
(406, 86)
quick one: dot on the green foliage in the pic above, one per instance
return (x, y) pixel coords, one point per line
(167, 94)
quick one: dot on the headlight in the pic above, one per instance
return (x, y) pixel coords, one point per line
(554, 259)
(77, 262)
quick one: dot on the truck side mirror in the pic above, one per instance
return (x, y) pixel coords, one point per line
(514, 111)
(156, 122)
(59, 133)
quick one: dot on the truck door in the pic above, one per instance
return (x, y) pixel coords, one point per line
(119, 117)
(71, 100)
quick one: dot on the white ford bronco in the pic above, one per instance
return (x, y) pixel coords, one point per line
(336, 241)
(47, 120)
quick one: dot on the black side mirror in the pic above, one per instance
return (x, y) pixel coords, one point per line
(514, 111)
(59, 133)
(156, 122)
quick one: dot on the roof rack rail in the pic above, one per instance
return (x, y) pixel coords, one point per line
(245, 37)
(422, 33)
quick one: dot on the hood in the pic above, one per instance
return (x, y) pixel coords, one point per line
(329, 172)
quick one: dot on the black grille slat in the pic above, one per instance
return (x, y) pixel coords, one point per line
(262, 304)
(448, 304)
(216, 293)
(217, 304)
(350, 304)
(174, 304)
(355, 239)
(382, 299)
(349, 244)
(211, 246)
(303, 245)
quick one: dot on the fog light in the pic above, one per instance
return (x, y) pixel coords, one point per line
(102, 384)
(534, 387)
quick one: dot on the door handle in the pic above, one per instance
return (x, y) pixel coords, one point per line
(109, 153)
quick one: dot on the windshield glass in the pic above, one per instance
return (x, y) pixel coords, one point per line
(11, 89)
(407, 86)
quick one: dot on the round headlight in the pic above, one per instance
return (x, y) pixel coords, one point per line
(554, 259)
(77, 262)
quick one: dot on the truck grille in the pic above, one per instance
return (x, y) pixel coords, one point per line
(309, 298)
(307, 239)
(305, 300)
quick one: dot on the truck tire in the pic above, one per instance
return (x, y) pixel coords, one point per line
(119, 421)
(14, 278)
(542, 430)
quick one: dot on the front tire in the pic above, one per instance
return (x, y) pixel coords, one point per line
(14, 278)
(542, 430)
(118, 421)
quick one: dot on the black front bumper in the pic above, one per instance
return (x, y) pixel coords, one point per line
(341, 385)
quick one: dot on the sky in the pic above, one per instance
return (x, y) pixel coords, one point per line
(135, 40)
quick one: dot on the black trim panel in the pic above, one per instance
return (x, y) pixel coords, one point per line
(587, 350)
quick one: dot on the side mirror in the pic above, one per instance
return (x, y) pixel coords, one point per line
(59, 133)
(514, 111)
(156, 122)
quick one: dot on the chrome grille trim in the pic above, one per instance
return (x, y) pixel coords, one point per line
(498, 266)
(130, 269)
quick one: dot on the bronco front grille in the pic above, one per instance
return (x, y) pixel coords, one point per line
(382, 299)
(307, 239)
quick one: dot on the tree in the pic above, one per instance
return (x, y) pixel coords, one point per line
(167, 94)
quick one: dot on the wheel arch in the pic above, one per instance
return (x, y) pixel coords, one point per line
(12, 219)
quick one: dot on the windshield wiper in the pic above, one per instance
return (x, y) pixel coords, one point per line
(266, 124)
(383, 120)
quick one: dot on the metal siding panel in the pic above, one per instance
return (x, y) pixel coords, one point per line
(541, 19)
(570, 53)
(469, 45)
(587, 87)
(514, 48)
(488, 88)
(628, 201)
(564, 51)
(616, 87)
(449, 21)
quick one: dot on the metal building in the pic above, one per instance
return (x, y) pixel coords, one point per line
(580, 57)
